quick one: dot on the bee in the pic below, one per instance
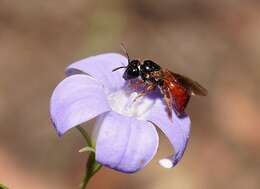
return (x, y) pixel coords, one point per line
(175, 88)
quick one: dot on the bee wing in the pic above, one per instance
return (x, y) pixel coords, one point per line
(192, 86)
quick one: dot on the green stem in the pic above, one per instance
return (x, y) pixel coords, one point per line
(92, 167)
(97, 168)
(85, 135)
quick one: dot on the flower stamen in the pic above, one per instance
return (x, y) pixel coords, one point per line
(123, 102)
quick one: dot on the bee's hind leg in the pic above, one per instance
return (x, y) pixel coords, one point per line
(168, 99)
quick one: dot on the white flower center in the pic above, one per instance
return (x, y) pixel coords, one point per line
(123, 102)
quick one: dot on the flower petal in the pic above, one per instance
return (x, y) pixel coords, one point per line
(125, 143)
(177, 131)
(100, 67)
(75, 100)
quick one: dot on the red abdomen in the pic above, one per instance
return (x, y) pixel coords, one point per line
(180, 97)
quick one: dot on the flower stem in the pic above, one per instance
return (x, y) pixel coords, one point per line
(92, 167)
(85, 135)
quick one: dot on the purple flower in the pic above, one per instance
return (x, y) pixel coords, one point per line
(126, 137)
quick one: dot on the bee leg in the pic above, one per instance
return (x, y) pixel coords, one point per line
(168, 99)
(147, 88)
(136, 84)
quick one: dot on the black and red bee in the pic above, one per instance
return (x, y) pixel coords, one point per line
(176, 89)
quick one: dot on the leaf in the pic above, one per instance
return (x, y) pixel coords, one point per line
(3, 187)
(87, 149)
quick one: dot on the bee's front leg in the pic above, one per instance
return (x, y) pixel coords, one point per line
(136, 84)
(147, 88)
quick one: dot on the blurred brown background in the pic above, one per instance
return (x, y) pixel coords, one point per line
(214, 42)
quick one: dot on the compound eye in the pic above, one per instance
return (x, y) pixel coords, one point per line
(131, 73)
(135, 63)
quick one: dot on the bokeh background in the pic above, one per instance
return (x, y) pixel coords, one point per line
(214, 42)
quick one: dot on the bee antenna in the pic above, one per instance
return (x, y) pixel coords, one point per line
(125, 51)
(119, 68)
